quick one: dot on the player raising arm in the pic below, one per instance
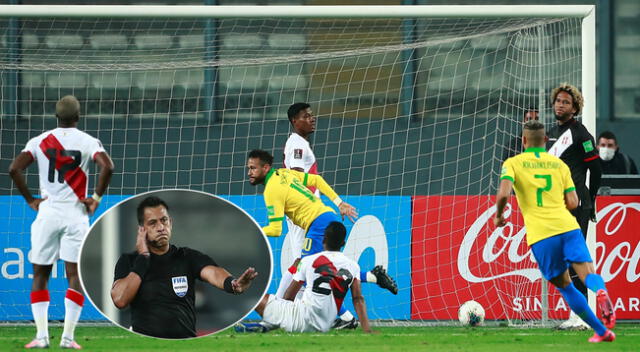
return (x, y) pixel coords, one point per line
(63, 156)
(546, 193)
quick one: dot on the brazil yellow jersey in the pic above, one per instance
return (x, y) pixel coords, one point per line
(286, 193)
(540, 181)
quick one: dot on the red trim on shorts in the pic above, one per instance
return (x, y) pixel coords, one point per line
(75, 296)
(592, 158)
(40, 296)
(293, 269)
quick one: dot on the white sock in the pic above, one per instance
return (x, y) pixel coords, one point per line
(40, 310)
(287, 277)
(73, 302)
(346, 316)
(371, 278)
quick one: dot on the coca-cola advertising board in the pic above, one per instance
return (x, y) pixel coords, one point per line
(457, 255)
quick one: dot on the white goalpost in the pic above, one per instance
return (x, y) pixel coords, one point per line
(417, 107)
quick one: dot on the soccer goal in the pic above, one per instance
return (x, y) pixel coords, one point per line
(416, 106)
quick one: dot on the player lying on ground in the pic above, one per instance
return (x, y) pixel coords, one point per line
(328, 276)
(160, 275)
(299, 156)
(546, 193)
(63, 156)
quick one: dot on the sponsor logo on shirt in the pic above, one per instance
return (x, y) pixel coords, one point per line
(271, 211)
(297, 153)
(180, 285)
(588, 146)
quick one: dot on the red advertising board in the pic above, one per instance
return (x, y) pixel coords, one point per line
(457, 255)
(618, 252)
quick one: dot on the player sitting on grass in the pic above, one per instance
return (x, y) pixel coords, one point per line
(545, 193)
(328, 276)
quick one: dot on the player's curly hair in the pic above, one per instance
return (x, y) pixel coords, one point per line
(578, 100)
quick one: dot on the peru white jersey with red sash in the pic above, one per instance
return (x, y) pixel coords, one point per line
(328, 276)
(63, 156)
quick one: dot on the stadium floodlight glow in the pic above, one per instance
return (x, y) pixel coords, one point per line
(416, 107)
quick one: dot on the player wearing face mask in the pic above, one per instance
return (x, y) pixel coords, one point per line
(613, 160)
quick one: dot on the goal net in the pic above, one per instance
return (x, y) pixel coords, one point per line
(415, 116)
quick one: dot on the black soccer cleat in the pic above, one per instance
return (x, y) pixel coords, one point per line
(340, 324)
(384, 280)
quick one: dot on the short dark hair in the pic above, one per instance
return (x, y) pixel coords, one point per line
(334, 236)
(537, 129)
(263, 155)
(149, 202)
(294, 109)
(608, 135)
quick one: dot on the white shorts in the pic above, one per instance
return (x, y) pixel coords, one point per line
(292, 316)
(58, 232)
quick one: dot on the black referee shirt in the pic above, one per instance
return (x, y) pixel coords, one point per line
(164, 305)
(572, 143)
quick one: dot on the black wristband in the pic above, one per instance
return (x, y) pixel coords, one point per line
(141, 265)
(228, 287)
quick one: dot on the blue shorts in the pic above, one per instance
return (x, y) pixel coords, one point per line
(313, 239)
(556, 253)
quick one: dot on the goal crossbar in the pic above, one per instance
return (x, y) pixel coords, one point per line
(381, 11)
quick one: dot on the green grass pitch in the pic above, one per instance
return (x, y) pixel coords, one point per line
(490, 339)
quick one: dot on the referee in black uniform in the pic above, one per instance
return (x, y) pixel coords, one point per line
(157, 280)
(570, 141)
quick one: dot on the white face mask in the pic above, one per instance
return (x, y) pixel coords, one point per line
(607, 154)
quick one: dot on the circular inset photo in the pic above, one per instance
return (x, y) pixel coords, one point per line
(175, 264)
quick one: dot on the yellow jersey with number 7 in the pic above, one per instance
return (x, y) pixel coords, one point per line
(540, 181)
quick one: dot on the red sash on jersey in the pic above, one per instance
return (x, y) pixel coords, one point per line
(339, 286)
(76, 178)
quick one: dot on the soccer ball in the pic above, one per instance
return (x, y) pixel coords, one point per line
(471, 313)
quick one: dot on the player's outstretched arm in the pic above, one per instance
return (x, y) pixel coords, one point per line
(106, 170)
(124, 290)
(21, 162)
(222, 279)
(360, 305)
(504, 192)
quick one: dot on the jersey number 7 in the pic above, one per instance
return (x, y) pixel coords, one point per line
(546, 188)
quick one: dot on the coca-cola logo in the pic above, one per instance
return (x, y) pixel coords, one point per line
(613, 262)
(510, 241)
(506, 240)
